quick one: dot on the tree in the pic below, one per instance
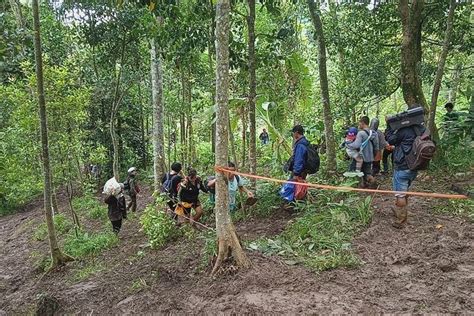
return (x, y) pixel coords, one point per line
(158, 116)
(323, 82)
(252, 88)
(411, 17)
(227, 237)
(57, 256)
(440, 69)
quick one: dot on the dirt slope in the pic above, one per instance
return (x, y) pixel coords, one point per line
(422, 268)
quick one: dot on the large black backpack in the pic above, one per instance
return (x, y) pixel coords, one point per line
(422, 151)
(312, 160)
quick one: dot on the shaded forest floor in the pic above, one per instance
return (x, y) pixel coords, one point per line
(426, 267)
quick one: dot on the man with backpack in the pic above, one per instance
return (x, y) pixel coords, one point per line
(304, 161)
(413, 151)
(170, 182)
(367, 142)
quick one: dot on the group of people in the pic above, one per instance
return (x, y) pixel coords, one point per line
(183, 191)
(123, 200)
(367, 147)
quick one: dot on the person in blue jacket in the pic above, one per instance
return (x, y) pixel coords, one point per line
(297, 162)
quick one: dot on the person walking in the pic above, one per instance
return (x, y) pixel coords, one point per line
(366, 141)
(403, 177)
(132, 188)
(116, 209)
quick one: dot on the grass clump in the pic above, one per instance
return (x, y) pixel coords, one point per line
(86, 271)
(321, 237)
(90, 206)
(85, 244)
(456, 207)
(158, 226)
(61, 223)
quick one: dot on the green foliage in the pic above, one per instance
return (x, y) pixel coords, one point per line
(209, 250)
(89, 244)
(87, 270)
(158, 226)
(90, 206)
(456, 207)
(453, 159)
(62, 224)
(321, 237)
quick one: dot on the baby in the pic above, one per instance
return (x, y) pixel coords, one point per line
(351, 135)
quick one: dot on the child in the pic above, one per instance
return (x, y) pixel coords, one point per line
(351, 135)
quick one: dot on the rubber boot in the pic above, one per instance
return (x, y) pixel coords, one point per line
(400, 212)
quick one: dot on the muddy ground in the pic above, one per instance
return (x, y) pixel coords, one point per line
(428, 267)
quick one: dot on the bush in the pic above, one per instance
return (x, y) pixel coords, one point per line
(61, 223)
(321, 238)
(158, 226)
(90, 206)
(86, 244)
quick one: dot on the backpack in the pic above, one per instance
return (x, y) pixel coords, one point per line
(166, 186)
(126, 185)
(312, 160)
(422, 151)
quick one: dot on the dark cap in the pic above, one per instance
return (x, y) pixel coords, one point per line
(298, 129)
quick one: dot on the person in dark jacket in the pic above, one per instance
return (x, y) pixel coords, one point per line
(170, 182)
(116, 209)
(132, 188)
(297, 162)
(188, 195)
(403, 177)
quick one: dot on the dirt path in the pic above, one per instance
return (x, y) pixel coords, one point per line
(426, 267)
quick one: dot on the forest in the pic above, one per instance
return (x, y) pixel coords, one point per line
(101, 101)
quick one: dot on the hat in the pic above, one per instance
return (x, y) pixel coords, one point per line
(132, 169)
(352, 131)
(298, 129)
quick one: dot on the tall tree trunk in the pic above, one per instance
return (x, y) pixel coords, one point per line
(252, 90)
(16, 8)
(232, 145)
(211, 49)
(158, 131)
(440, 70)
(227, 238)
(323, 81)
(411, 53)
(114, 111)
(454, 88)
(244, 136)
(57, 256)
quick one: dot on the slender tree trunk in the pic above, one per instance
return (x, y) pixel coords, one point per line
(57, 256)
(113, 114)
(411, 53)
(454, 89)
(323, 81)
(228, 241)
(244, 136)
(142, 130)
(211, 49)
(252, 90)
(440, 70)
(16, 8)
(158, 131)
(232, 145)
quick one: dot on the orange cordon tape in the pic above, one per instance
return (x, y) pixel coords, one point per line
(342, 188)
